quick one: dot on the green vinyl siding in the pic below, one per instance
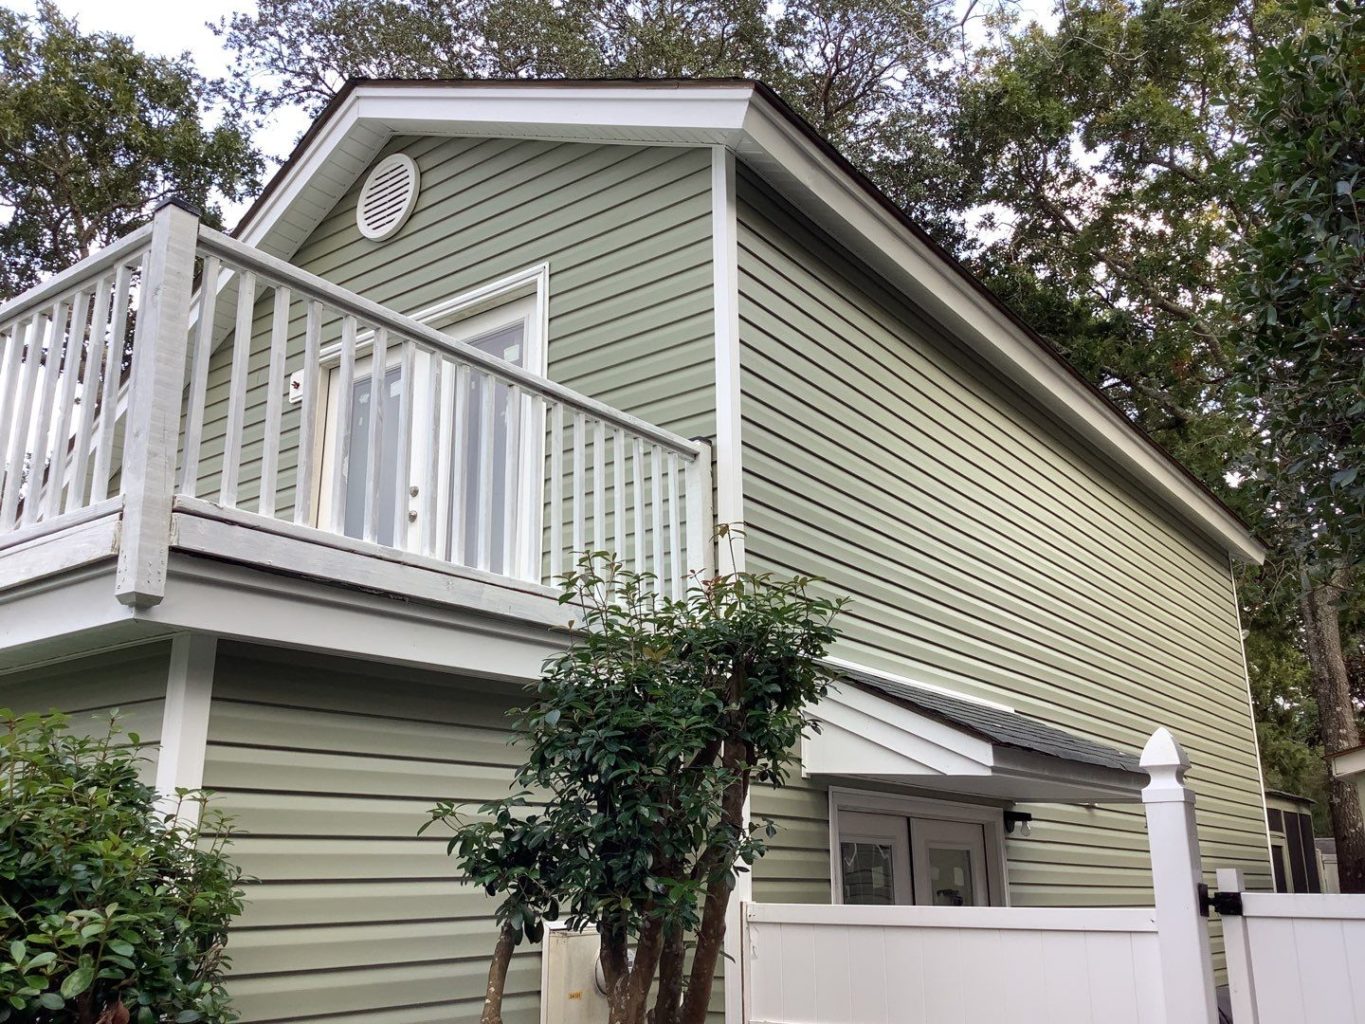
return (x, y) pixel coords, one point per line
(796, 867)
(328, 768)
(131, 682)
(984, 551)
(626, 233)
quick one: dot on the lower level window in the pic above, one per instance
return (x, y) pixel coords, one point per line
(887, 856)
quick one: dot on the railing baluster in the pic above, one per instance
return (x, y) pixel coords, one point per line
(18, 444)
(10, 396)
(341, 461)
(599, 486)
(113, 370)
(199, 376)
(38, 443)
(675, 569)
(579, 494)
(274, 403)
(79, 463)
(374, 439)
(460, 469)
(431, 483)
(402, 477)
(637, 463)
(618, 465)
(513, 515)
(656, 507)
(237, 389)
(484, 511)
(308, 415)
(66, 402)
(556, 492)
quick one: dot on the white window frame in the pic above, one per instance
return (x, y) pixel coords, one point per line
(524, 295)
(861, 801)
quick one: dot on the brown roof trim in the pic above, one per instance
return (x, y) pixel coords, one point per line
(796, 120)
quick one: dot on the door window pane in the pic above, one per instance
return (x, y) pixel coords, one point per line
(358, 469)
(950, 877)
(869, 878)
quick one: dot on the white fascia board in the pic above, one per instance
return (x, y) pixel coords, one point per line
(826, 193)
(1349, 764)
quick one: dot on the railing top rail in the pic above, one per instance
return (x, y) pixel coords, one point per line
(278, 271)
(90, 267)
(1079, 919)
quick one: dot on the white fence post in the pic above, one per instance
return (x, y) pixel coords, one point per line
(1237, 944)
(152, 425)
(1182, 935)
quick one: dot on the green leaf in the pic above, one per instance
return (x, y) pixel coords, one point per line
(77, 981)
(51, 1001)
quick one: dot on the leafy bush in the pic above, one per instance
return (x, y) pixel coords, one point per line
(111, 910)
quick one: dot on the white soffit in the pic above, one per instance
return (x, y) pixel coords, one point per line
(737, 115)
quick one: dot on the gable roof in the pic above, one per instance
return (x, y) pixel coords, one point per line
(750, 119)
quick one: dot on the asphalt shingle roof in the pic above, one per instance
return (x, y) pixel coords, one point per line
(1005, 728)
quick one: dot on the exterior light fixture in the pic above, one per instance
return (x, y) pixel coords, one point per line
(1020, 818)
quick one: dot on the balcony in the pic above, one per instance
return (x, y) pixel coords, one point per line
(180, 397)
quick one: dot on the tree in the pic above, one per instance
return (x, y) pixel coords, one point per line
(1302, 295)
(95, 134)
(642, 743)
(111, 911)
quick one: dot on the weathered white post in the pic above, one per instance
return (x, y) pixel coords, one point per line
(1182, 935)
(152, 425)
(1236, 942)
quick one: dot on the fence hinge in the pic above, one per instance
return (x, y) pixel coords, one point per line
(1228, 904)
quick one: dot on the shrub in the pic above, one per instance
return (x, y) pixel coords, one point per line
(111, 910)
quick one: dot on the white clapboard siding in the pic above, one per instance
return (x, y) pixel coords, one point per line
(807, 964)
(462, 396)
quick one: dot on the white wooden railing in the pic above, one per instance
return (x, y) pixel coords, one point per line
(62, 351)
(239, 396)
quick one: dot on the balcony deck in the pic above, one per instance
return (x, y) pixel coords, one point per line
(142, 493)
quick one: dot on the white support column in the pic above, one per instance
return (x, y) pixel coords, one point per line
(1182, 935)
(1237, 944)
(152, 425)
(185, 721)
(725, 298)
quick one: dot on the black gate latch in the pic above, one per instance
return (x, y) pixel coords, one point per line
(1228, 904)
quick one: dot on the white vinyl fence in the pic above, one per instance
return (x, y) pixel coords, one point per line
(1291, 959)
(1295, 958)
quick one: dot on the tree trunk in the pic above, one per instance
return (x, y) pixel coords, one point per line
(669, 1000)
(1319, 606)
(497, 975)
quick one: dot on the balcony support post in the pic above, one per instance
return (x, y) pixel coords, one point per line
(152, 422)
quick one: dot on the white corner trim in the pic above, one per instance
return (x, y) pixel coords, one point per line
(725, 296)
(1251, 706)
(185, 720)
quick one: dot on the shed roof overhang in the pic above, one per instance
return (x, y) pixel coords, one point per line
(875, 730)
(1349, 764)
(749, 119)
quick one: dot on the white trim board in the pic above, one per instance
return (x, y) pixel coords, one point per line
(739, 117)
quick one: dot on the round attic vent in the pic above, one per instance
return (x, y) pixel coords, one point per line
(387, 197)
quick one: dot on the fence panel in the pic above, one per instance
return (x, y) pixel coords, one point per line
(971, 965)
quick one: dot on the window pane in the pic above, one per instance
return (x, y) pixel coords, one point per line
(868, 876)
(950, 877)
(357, 469)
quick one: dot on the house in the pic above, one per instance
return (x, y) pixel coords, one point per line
(610, 315)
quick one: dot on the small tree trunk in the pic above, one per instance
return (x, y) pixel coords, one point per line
(1319, 605)
(669, 1001)
(497, 975)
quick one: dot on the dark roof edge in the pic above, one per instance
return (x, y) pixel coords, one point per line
(771, 96)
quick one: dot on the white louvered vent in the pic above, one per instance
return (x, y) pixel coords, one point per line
(387, 197)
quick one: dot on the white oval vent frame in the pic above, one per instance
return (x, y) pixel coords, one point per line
(387, 197)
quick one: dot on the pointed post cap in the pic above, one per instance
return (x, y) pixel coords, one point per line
(1165, 762)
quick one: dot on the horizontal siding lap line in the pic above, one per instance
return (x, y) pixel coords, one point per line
(1133, 516)
(960, 614)
(1051, 516)
(351, 968)
(455, 762)
(1148, 531)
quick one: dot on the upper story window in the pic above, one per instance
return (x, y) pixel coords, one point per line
(483, 441)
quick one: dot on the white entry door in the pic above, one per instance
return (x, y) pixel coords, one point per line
(874, 860)
(949, 863)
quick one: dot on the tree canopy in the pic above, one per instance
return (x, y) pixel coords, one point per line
(95, 133)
